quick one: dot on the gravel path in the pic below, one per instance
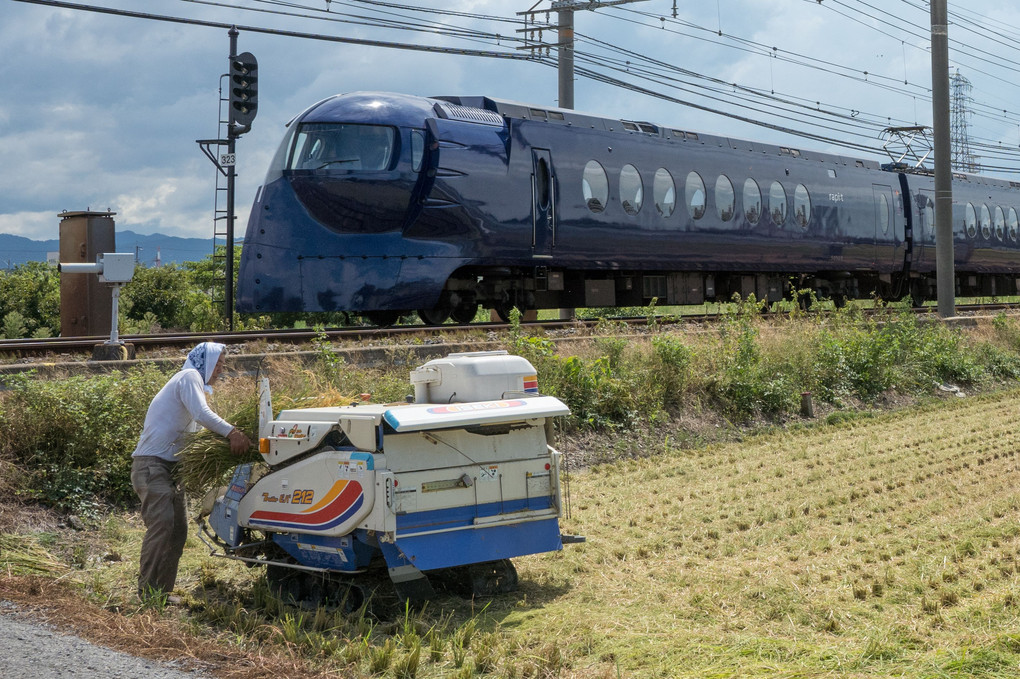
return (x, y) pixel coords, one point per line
(33, 650)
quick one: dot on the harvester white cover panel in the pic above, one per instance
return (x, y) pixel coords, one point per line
(444, 416)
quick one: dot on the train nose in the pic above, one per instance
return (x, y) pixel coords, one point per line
(356, 202)
(351, 177)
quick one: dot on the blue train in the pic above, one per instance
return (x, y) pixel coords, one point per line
(385, 204)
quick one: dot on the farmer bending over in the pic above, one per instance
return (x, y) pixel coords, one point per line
(171, 415)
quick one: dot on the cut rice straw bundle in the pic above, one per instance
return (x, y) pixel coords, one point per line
(206, 460)
(21, 555)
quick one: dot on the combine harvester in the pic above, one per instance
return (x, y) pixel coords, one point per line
(446, 489)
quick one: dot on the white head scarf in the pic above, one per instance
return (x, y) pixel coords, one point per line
(203, 358)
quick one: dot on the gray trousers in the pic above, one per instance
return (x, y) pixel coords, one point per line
(166, 523)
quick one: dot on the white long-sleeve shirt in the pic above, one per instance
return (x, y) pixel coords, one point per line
(180, 402)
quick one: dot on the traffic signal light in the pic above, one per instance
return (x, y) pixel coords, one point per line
(244, 92)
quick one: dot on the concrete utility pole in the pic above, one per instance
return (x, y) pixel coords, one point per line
(565, 52)
(565, 38)
(945, 272)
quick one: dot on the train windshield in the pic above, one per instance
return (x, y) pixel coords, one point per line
(339, 146)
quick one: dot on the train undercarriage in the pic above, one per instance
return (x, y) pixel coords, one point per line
(538, 288)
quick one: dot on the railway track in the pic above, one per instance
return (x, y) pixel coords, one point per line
(22, 354)
(34, 347)
(60, 356)
(71, 345)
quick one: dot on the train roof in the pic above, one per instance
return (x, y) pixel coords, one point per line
(409, 109)
(514, 109)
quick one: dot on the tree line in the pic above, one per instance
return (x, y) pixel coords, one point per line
(172, 297)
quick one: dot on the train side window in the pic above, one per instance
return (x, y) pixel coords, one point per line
(970, 220)
(724, 198)
(986, 222)
(695, 195)
(632, 194)
(542, 184)
(929, 218)
(882, 212)
(1000, 224)
(417, 149)
(752, 201)
(280, 160)
(777, 204)
(595, 186)
(802, 206)
(664, 192)
(1014, 224)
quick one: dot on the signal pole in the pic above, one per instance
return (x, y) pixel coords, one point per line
(228, 264)
(945, 272)
(242, 106)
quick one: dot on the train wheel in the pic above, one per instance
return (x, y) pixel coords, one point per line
(383, 319)
(503, 311)
(465, 313)
(917, 296)
(434, 316)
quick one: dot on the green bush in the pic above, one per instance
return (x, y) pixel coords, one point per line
(169, 294)
(595, 392)
(1007, 330)
(14, 326)
(597, 397)
(73, 438)
(866, 358)
(998, 362)
(851, 362)
(670, 369)
(31, 290)
(750, 382)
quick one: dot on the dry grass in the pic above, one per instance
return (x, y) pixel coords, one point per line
(149, 634)
(883, 546)
(878, 547)
(22, 555)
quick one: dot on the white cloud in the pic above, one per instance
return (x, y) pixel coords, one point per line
(34, 225)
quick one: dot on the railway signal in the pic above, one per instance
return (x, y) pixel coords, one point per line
(242, 105)
(244, 92)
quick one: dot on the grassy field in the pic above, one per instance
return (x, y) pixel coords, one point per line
(879, 546)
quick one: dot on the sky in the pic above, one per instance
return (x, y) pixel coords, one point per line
(103, 112)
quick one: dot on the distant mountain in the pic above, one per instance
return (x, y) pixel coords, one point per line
(16, 250)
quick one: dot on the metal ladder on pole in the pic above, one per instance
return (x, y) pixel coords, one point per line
(219, 257)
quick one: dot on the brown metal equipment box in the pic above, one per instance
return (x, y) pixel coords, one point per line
(85, 306)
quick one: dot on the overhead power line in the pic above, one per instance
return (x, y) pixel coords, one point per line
(801, 116)
(284, 33)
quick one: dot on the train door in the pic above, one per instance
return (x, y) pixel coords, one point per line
(543, 204)
(884, 241)
(924, 232)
